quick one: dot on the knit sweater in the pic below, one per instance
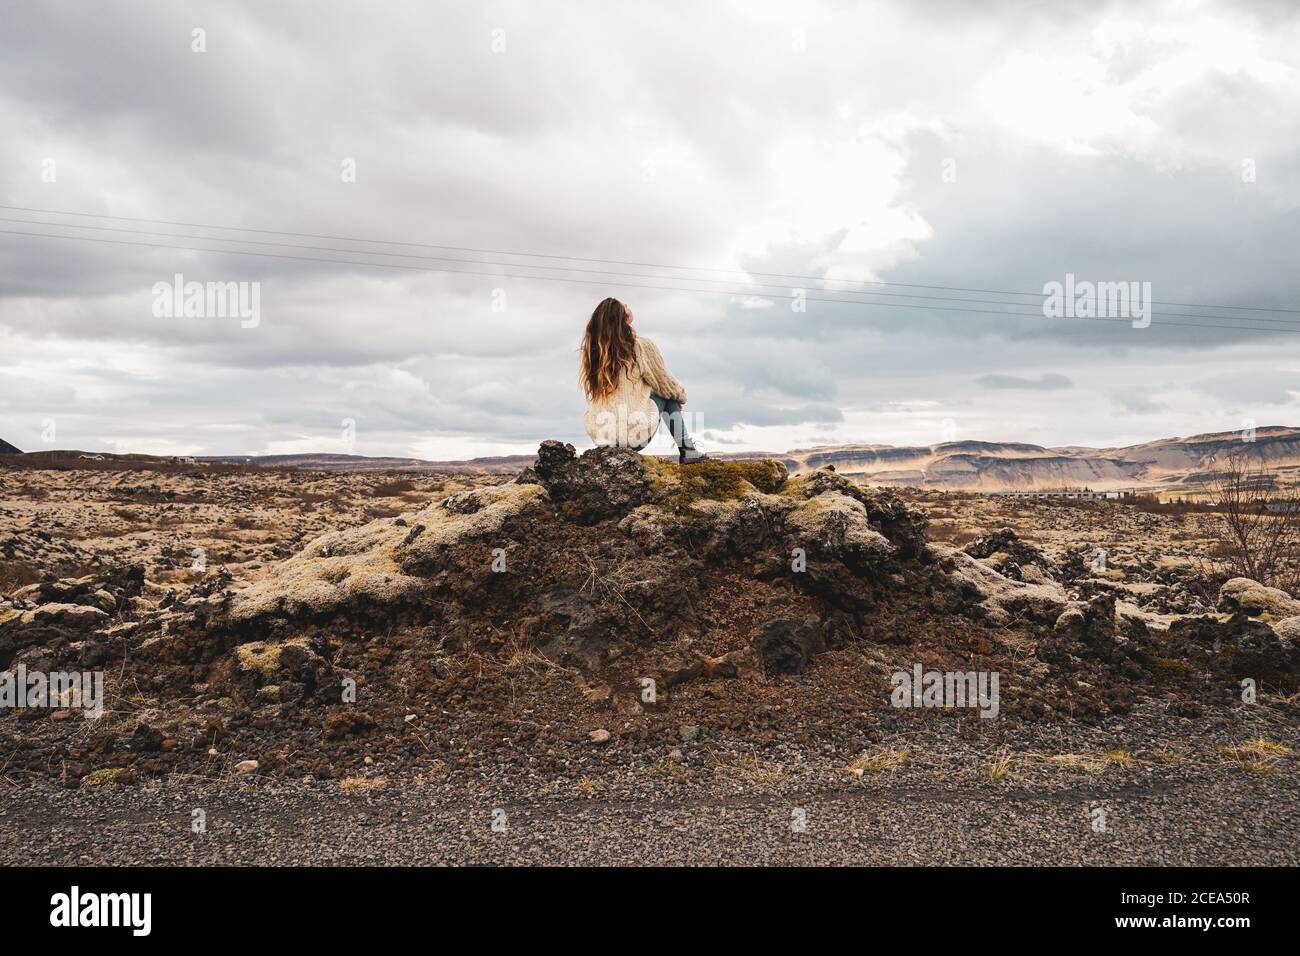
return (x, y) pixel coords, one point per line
(626, 416)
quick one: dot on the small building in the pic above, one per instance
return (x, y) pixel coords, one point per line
(1072, 495)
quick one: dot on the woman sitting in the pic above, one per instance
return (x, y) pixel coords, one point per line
(628, 388)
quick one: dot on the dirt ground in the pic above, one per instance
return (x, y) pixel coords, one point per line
(457, 717)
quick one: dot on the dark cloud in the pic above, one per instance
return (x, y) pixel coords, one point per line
(1136, 402)
(1046, 382)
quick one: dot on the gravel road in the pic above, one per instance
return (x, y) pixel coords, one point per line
(1228, 820)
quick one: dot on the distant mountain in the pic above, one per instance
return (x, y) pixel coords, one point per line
(504, 464)
(1169, 465)
(8, 449)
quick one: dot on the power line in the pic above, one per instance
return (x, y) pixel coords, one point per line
(603, 272)
(645, 265)
(500, 274)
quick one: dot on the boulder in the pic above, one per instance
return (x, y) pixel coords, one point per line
(384, 563)
(1242, 595)
(1011, 557)
(976, 587)
(1089, 622)
(1241, 645)
(834, 525)
(1288, 632)
(600, 484)
(79, 618)
(903, 526)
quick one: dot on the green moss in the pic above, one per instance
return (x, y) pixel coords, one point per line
(259, 656)
(715, 480)
(103, 777)
(1168, 665)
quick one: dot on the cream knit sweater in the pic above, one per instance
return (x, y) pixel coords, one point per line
(626, 416)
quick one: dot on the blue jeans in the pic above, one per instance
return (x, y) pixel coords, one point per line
(670, 413)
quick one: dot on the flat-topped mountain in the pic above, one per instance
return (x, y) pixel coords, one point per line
(1172, 464)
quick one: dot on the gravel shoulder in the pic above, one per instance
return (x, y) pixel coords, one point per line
(939, 808)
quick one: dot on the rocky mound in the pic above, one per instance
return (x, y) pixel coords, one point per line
(605, 584)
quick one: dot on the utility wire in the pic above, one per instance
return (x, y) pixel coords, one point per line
(603, 272)
(600, 282)
(623, 262)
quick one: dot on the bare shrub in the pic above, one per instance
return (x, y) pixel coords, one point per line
(1259, 524)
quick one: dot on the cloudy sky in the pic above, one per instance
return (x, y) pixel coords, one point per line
(766, 148)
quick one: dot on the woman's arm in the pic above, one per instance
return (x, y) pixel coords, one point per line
(656, 373)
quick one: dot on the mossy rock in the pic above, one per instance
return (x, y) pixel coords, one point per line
(107, 776)
(259, 656)
(380, 563)
(715, 480)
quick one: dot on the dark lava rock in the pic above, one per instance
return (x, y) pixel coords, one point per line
(785, 645)
(602, 483)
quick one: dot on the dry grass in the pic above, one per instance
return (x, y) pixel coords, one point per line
(1092, 762)
(1257, 756)
(876, 760)
(362, 784)
(952, 533)
(516, 653)
(666, 768)
(1000, 766)
(750, 769)
(589, 785)
(396, 488)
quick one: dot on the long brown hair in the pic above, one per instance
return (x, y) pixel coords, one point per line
(608, 347)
